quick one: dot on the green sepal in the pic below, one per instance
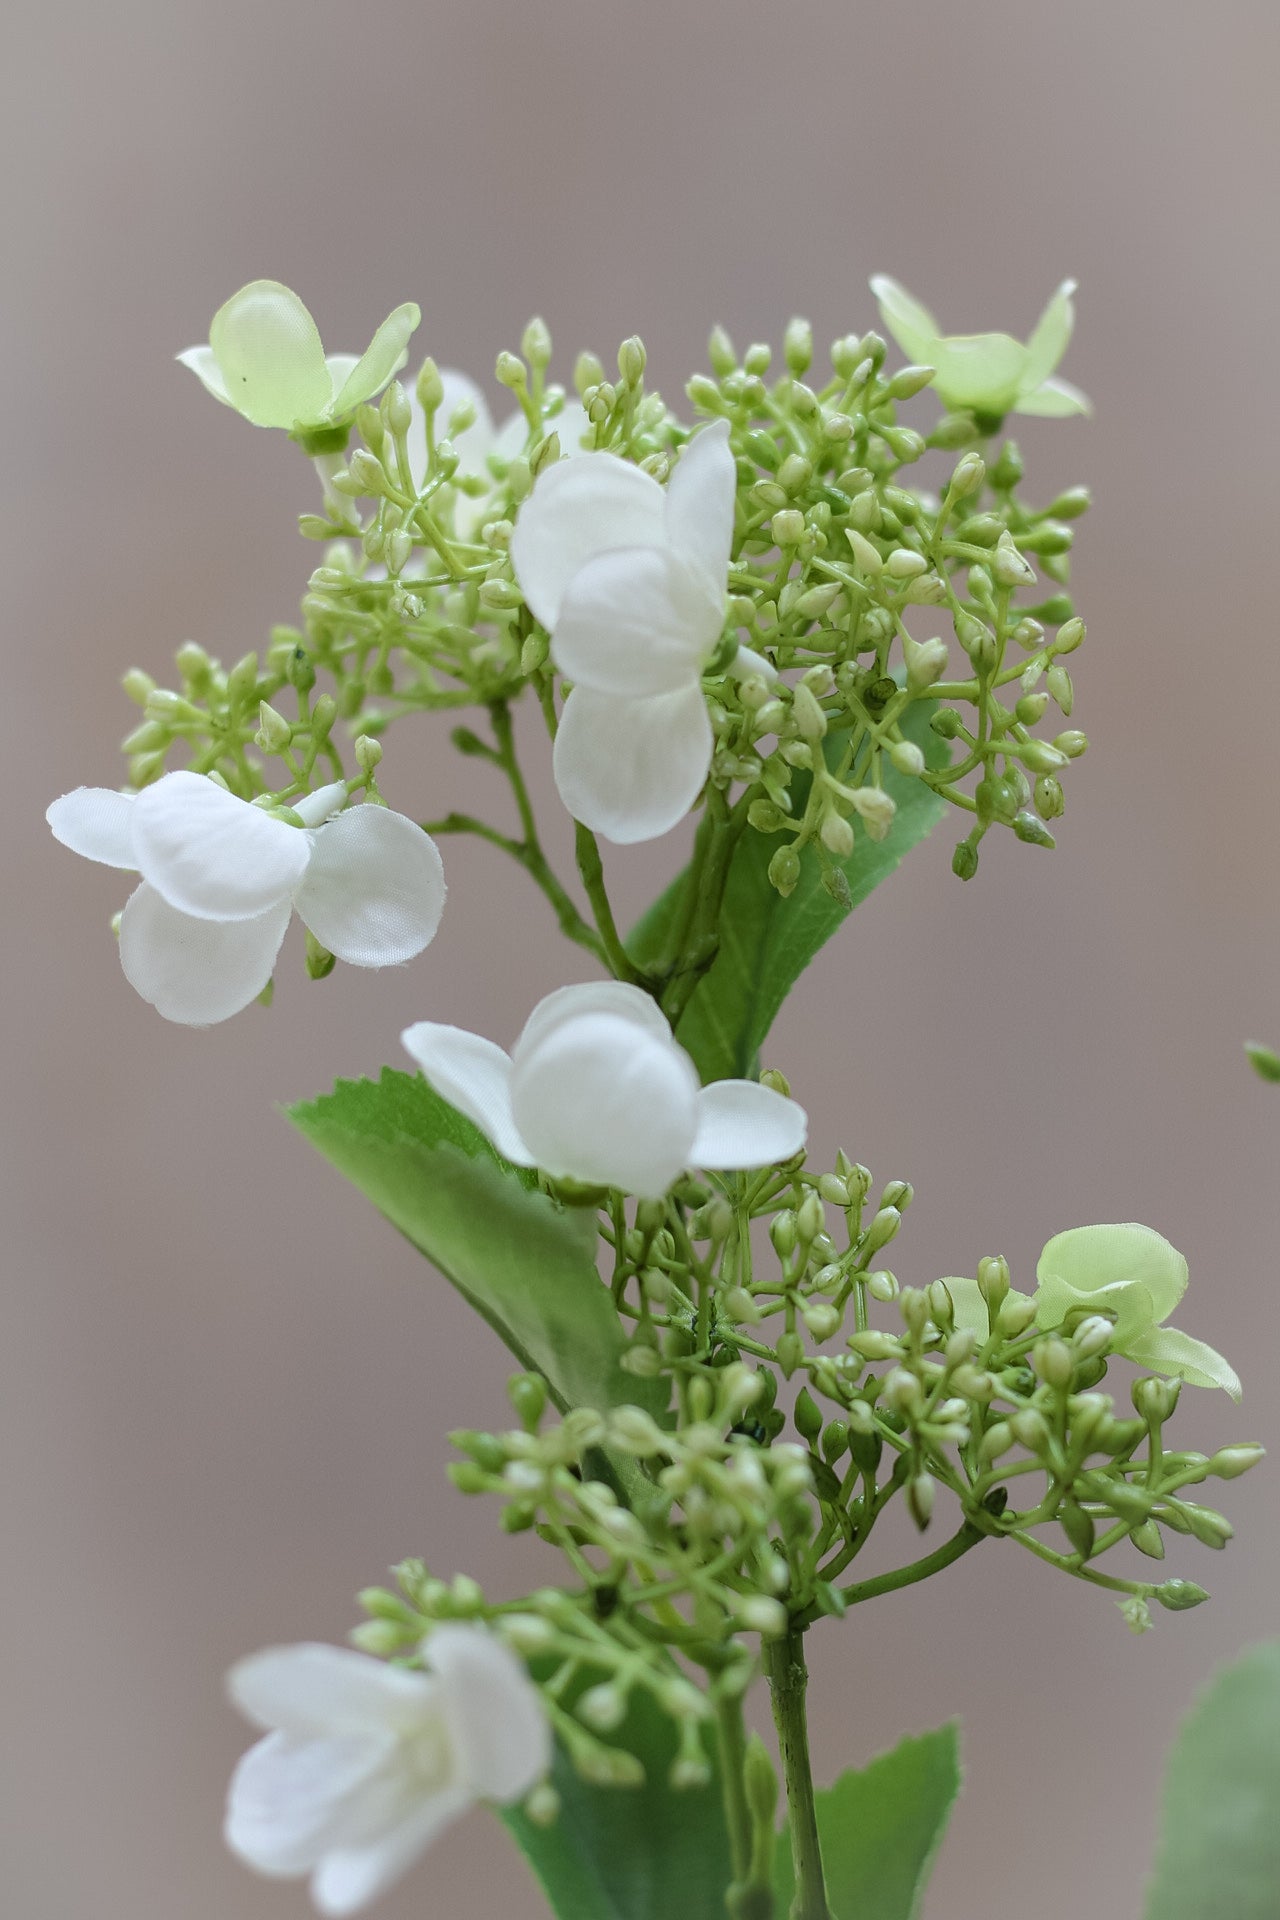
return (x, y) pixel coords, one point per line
(766, 942)
(1219, 1851)
(880, 1829)
(631, 1853)
(525, 1263)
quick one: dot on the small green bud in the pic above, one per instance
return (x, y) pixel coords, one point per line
(996, 1440)
(964, 861)
(907, 758)
(1050, 800)
(921, 1490)
(1032, 831)
(909, 381)
(797, 346)
(320, 962)
(1078, 1527)
(382, 1638)
(882, 1285)
(1179, 1595)
(904, 563)
(808, 1417)
(784, 870)
(1230, 1462)
(1029, 1429)
(790, 1353)
(602, 1708)
(967, 475)
(1040, 757)
(368, 752)
(1209, 1528)
(1071, 743)
(632, 360)
(787, 527)
(759, 1614)
(1030, 708)
(274, 732)
(1069, 636)
(139, 686)
(430, 387)
(527, 1393)
(1148, 1539)
(510, 372)
(366, 472)
(872, 1344)
(904, 443)
(1154, 1400)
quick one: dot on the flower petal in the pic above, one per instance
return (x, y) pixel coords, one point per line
(385, 354)
(912, 326)
(211, 854)
(270, 357)
(288, 1798)
(579, 508)
(498, 1725)
(197, 972)
(602, 1100)
(636, 620)
(374, 890)
(97, 822)
(311, 1689)
(1049, 340)
(1165, 1350)
(203, 363)
(573, 424)
(1054, 400)
(983, 370)
(970, 1307)
(631, 769)
(742, 1124)
(592, 996)
(474, 1076)
(1086, 1259)
(700, 502)
(313, 809)
(472, 443)
(340, 366)
(348, 1878)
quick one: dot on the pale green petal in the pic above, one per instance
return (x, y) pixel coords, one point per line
(204, 365)
(1165, 1350)
(982, 370)
(1052, 331)
(1088, 1259)
(385, 355)
(971, 1308)
(1054, 399)
(912, 326)
(341, 367)
(270, 357)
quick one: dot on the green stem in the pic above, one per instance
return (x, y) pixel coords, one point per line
(788, 1679)
(732, 1738)
(952, 1549)
(591, 867)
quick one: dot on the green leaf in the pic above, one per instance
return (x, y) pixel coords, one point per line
(880, 1830)
(526, 1264)
(631, 1853)
(1219, 1850)
(766, 942)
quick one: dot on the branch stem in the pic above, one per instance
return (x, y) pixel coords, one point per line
(788, 1681)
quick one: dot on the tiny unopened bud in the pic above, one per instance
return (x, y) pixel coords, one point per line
(907, 757)
(509, 371)
(784, 870)
(1179, 1595)
(1092, 1336)
(904, 563)
(1154, 1400)
(1230, 1462)
(787, 527)
(921, 1490)
(883, 1285)
(797, 346)
(996, 1440)
(758, 1614)
(875, 808)
(869, 558)
(1069, 635)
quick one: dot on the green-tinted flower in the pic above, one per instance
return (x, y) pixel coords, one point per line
(264, 358)
(1132, 1272)
(992, 373)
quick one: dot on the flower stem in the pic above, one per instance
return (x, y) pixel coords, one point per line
(788, 1680)
(732, 1739)
(591, 867)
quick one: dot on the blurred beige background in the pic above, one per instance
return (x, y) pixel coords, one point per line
(225, 1382)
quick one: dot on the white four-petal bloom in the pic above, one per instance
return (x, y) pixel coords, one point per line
(990, 371)
(364, 1763)
(630, 580)
(597, 1089)
(264, 357)
(221, 877)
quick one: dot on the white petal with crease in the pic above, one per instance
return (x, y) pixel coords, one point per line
(742, 1124)
(700, 502)
(579, 508)
(348, 1878)
(310, 1689)
(98, 823)
(474, 1076)
(593, 996)
(499, 1728)
(204, 364)
(211, 854)
(600, 1099)
(636, 620)
(374, 889)
(197, 972)
(631, 769)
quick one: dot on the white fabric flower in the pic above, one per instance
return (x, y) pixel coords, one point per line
(221, 878)
(474, 444)
(630, 581)
(364, 1763)
(1133, 1273)
(991, 372)
(264, 357)
(596, 1089)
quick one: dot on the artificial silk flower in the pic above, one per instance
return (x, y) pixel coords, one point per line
(1128, 1271)
(475, 443)
(365, 1763)
(221, 878)
(989, 372)
(596, 1089)
(630, 580)
(264, 358)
